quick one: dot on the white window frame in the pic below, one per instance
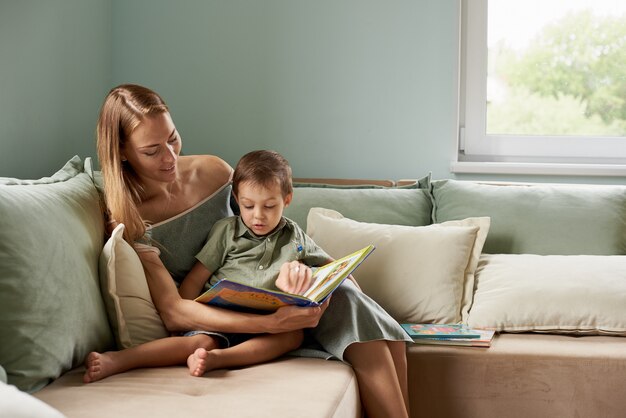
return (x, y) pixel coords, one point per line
(477, 152)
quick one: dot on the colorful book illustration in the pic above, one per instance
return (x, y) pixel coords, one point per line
(417, 331)
(233, 294)
(486, 336)
(449, 334)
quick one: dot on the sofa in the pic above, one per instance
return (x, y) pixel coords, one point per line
(542, 264)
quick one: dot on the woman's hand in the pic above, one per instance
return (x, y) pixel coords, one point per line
(294, 277)
(289, 318)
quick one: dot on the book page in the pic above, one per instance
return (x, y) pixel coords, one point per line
(327, 277)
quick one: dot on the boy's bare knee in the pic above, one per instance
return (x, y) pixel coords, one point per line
(205, 341)
(296, 338)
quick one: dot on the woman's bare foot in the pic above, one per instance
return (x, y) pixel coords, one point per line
(99, 366)
(198, 362)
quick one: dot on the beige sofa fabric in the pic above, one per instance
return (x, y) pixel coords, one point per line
(289, 387)
(520, 376)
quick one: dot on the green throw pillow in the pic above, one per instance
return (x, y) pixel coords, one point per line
(403, 205)
(51, 311)
(539, 218)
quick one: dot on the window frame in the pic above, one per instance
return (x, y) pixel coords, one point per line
(478, 152)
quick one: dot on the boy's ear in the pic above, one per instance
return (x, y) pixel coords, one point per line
(288, 199)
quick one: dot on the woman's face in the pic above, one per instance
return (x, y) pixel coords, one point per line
(153, 148)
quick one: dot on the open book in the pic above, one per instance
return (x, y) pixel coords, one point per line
(232, 294)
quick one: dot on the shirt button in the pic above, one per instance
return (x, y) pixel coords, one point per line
(260, 267)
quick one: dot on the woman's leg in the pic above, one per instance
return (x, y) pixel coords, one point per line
(258, 349)
(379, 384)
(168, 351)
(398, 354)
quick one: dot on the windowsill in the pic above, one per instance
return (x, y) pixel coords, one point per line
(604, 170)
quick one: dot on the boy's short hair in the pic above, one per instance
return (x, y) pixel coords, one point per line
(264, 168)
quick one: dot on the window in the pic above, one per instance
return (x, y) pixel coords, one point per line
(543, 87)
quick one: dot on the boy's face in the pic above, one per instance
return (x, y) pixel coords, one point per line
(261, 207)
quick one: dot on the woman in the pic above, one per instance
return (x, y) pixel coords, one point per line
(148, 182)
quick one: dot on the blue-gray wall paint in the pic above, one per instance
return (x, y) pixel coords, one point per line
(347, 88)
(55, 67)
(343, 88)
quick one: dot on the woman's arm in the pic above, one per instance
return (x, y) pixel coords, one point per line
(180, 314)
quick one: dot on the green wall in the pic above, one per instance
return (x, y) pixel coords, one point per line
(55, 67)
(343, 88)
(347, 88)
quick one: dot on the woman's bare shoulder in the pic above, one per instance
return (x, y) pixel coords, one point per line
(208, 170)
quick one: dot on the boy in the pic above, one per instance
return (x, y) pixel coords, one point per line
(260, 245)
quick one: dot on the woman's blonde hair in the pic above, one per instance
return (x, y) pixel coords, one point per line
(124, 108)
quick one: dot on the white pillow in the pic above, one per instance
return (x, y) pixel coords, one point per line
(417, 274)
(583, 294)
(17, 404)
(126, 295)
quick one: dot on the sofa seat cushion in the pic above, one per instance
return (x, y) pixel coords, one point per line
(520, 375)
(288, 387)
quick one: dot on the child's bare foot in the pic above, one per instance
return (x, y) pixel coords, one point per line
(198, 362)
(99, 366)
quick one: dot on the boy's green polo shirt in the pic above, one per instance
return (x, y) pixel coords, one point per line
(233, 251)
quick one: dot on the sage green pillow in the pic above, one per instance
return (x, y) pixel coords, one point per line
(539, 218)
(402, 205)
(51, 311)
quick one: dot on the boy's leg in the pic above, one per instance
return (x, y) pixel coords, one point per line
(258, 349)
(168, 351)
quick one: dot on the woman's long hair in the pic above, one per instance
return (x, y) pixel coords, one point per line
(123, 110)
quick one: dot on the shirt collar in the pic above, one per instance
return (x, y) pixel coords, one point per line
(243, 230)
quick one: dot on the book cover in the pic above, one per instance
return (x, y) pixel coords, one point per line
(486, 336)
(234, 294)
(441, 331)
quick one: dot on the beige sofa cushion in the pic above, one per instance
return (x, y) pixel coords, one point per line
(289, 387)
(417, 274)
(126, 295)
(557, 294)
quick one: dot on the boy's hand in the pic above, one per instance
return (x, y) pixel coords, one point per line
(294, 277)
